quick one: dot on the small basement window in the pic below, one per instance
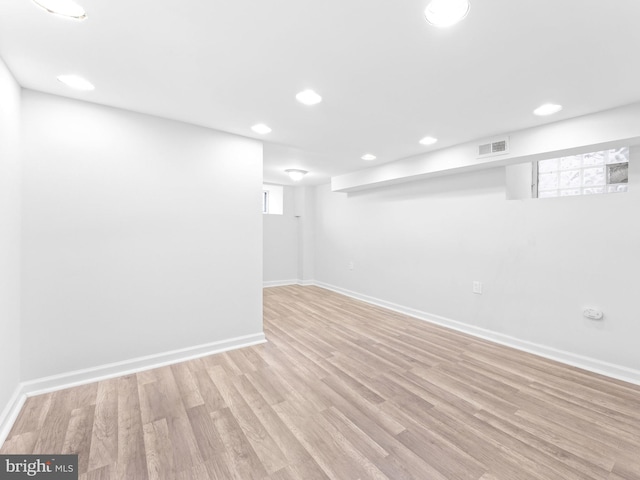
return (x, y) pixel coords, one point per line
(272, 199)
(594, 173)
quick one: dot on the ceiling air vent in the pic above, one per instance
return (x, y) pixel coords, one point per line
(499, 147)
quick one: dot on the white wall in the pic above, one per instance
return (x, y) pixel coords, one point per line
(589, 133)
(140, 235)
(519, 181)
(10, 182)
(306, 211)
(280, 246)
(422, 244)
(289, 239)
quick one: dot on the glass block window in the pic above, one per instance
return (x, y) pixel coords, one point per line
(592, 173)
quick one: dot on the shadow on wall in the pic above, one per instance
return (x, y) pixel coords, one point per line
(455, 186)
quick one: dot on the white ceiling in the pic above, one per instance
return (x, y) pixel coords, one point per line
(387, 78)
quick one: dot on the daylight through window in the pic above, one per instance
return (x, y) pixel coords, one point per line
(592, 173)
(272, 199)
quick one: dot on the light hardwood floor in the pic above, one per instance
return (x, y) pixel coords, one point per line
(345, 390)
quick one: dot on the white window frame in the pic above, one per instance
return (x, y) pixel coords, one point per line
(272, 199)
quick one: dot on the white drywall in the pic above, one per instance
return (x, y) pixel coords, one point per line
(519, 181)
(589, 133)
(140, 236)
(306, 210)
(422, 244)
(280, 246)
(289, 239)
(10, 181)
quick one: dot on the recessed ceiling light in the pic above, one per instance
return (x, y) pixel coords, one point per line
(368, 157)
(547, 109)
(444, 13)
(65, 8)
(296, 174)
(77, 82)
(309, 97)
(428, 141)
(261, 129)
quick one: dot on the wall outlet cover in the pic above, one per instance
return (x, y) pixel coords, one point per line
(593, 313)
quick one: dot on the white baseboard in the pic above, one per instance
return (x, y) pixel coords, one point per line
(285, 283)
(127, 367)
(10, 412)
(594, 365)
(112, 370)
(280, 283)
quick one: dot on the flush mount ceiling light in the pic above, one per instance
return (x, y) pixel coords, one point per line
(296, 174)
(444, 13)
(368, 157)
(547, 109)
(261, 129)
(76, 82)
(309, 97)
(428, 141)
(65, 8)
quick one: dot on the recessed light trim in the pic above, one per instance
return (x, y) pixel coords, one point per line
(308, 97)
(368, 157)
(261, 129)
(547, 109)
(296, 174)
(428, 141)
(64, 8)
(76, 82)
(445, 13)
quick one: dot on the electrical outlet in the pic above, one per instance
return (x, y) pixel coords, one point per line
(593, 313)
(352, 265)
(477, 287)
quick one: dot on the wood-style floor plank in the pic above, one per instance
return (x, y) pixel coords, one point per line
(104, 438)
(78, 436)
(344, 390)
(132, 460)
